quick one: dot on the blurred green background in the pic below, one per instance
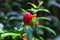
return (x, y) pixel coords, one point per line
(10, 13)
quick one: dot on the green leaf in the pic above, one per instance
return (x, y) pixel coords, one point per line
(20, 26)
(33, 22)
(36, 38)
(33, 5)
(1, 31)
(8, 7)
(47, 28)
(29, 31)
(39, 31)
(16, 4)
(41, 38)
(33, 10)
(40, 3)
(44, 10)
(2, 14)
(23, 10)
(9, 34)
(42, 18)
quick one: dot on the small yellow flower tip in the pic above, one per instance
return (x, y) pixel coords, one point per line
(25, 37)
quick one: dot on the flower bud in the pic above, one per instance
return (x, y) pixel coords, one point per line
(27, 18)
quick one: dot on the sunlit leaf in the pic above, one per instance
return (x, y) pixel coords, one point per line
(41, 38)
(47, 28)
(36, 38)
(23, 10)
(33, 38)
(33, 5)
(44, 10)
(1, 31)
(40, 3)
(9, 34)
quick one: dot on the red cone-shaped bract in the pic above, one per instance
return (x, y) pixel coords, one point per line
(27, 18)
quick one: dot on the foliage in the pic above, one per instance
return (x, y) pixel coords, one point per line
(15, 27)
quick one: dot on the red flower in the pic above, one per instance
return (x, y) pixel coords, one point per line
(27, 18)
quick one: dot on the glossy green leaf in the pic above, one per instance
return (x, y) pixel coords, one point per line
(40, 3)
(33, 5)
(47, 28)
(42, 18)
(44, 10)
(9, 34)
(41, 38)
(36, 38)
(33, 22)
(33, 10)
(23, 10)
